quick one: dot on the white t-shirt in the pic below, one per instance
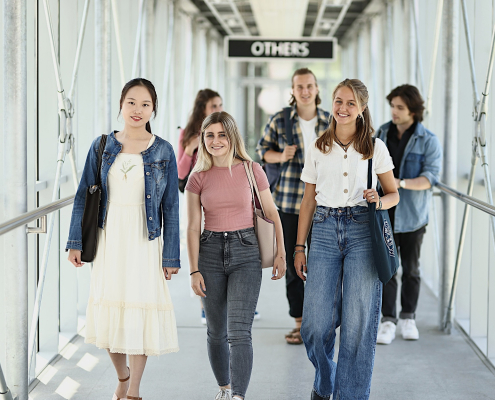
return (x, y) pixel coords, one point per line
(308, 129)
(342, 177)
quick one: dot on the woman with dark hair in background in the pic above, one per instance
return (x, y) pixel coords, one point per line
(130, 312)
(207, 101)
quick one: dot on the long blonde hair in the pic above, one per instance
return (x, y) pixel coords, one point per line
(236, 144)
(364, 130)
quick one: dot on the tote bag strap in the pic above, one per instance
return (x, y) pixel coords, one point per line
(370, 168)
(251, 187)
(370, 175)
(255, 185)
(101, 149)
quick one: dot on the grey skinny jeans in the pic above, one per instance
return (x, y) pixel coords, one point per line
(231, 267)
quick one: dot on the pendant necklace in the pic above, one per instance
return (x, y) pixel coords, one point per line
(344, 146)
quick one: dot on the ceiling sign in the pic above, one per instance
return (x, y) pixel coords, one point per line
(265, 49)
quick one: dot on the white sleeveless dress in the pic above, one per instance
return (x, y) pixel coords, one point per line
(129, 309)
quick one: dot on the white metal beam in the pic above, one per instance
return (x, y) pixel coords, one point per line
(219, 18)
(340, 18)
(239, 17)
(321, 12)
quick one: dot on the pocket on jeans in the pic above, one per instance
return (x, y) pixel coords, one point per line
(318, 217)
(248, 239)
(360, 218)
(205, 236)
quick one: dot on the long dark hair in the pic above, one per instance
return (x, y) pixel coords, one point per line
(148, 85)
(198, 115)
(363, 142)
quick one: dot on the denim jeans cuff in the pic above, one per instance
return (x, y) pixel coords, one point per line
(404, 315)
(390, 319)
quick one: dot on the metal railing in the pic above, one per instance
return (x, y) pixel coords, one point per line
(34, 215)
(15, 223)
(5, 393)
(470, 200)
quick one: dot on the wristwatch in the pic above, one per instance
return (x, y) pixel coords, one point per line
(402, 183)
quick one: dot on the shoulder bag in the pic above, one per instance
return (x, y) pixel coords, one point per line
(382, 238)
(264, 228)
(91, 211)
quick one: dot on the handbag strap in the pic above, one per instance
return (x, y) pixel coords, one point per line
(252, 192)
(370, 168)
(255, 185)
(101, 149)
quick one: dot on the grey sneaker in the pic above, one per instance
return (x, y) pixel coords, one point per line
(224, 394)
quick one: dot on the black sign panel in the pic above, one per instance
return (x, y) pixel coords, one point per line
(263, 49)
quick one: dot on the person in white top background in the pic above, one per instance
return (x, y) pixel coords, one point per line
(342, 285)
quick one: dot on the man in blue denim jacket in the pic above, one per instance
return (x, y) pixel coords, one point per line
(161, 195)
(417, 156)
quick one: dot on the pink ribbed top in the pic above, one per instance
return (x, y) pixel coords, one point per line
(226, 198)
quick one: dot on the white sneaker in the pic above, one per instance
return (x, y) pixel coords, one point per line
(409, 330)
(386, 333)
(223, 394)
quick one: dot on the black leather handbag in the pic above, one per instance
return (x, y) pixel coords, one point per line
(91, 211)
(382, 238)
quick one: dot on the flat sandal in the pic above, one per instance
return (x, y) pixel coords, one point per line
(122, 380)
(133, 398)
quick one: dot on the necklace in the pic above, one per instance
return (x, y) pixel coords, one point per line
(344, 146)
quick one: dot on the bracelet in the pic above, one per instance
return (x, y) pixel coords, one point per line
(300, 245)
(379, 204)
(193, 272)
(298, 251)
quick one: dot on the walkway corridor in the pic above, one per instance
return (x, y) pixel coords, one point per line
(436, 367)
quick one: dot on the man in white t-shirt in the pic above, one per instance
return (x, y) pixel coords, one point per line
(308, 121)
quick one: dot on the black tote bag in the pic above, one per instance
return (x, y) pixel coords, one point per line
(382, 238)
(91, 211)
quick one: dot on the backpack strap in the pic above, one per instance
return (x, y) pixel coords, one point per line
(288, 126)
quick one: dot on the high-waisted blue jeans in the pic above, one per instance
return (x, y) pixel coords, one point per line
(342, 289)
(231, 267)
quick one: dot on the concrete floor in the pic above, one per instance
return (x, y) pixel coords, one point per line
(435, 367)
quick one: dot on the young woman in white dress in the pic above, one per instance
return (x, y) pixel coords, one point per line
(130, 312)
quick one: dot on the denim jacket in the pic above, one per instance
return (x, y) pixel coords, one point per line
(161, 194)
(422, 157)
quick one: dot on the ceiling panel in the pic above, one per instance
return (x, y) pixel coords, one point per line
(280, 18)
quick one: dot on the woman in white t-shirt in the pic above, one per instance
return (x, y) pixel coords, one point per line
(342, 288)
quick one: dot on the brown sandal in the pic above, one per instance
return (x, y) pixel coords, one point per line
(294, 337)
(295, 330)
(133, 398)
(122, 380)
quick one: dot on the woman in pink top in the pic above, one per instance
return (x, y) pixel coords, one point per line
(224, 259)
(207, 101)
